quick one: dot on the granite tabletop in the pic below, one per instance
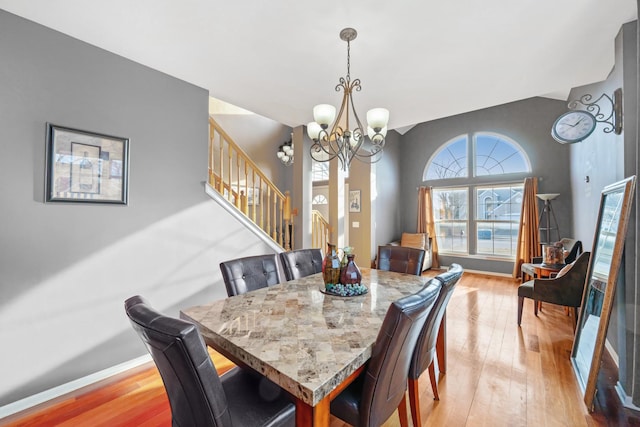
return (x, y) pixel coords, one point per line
(304, 340)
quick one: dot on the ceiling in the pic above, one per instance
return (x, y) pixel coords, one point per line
(421, 59)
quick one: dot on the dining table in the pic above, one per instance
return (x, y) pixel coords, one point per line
(311, 343)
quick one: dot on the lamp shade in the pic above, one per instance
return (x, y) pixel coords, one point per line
(324, 114)
(313, 130)
(377, 118)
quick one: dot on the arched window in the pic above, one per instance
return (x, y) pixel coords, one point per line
(450, 161)
(319, 200)
(477, 218)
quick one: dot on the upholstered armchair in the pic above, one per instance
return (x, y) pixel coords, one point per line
(565, 289)
(571, 247)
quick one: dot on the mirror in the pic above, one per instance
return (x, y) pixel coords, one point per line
(597, 299)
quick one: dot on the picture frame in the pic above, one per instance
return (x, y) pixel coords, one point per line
(85, 167)
(354, 201)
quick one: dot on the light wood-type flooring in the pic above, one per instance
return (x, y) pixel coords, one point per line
(497, 375)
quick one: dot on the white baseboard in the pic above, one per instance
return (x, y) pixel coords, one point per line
(624, 398)
(61, 390)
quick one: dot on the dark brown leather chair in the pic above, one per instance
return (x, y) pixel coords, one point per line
(197, 395)
(424, 354)
(563, 290)
(373, 397)
(247, 274)
(400, 259)
(301, 263)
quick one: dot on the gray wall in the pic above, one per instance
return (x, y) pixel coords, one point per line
(527, 122)
(607, 158)
(388, 208)
(260, 138)
(67, 268)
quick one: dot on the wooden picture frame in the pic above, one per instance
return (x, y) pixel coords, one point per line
(354, 201)
(602, 275)
(85, 167)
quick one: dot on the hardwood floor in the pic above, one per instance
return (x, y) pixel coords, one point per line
(497, 375)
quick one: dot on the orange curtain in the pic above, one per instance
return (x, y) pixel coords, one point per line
(426, 224)
(528, 238)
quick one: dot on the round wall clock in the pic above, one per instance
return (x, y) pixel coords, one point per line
(573, 126)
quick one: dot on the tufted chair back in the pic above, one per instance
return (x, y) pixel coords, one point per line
(247, 274)
(301, 263)
(401, 259)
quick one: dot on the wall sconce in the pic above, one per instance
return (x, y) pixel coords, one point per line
(285, 153)
(613, 120)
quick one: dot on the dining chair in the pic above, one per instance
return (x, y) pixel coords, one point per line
(247, 274)
(197, 395)
(301, 263)
(373, 397)
(425, 351)
(565, 289)
(401, 259)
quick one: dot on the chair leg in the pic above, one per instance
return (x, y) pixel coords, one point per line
(575, 319)
(535, 307)
(402, 411)
(414, 401)
(520, 304)
(434, 383)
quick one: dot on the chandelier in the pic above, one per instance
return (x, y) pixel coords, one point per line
(339, 139)
(285, 153)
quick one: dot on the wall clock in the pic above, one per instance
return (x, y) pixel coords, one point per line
(573, 126)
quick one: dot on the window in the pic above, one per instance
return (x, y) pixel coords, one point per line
(497, 219)
(319, 200)
(451, 221)
(496, 208)
(320, 171)
(450, 161)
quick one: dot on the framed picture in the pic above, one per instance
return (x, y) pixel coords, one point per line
(354, 201)
(86, 167)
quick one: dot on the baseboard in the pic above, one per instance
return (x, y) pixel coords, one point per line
(484, 273)
(61, 390)
(624, 398)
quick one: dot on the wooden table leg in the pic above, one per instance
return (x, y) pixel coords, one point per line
(307, 415)
(441, 344)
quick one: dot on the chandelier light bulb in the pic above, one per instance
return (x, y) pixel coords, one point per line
(280, 154)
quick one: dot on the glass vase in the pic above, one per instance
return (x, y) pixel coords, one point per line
(350, 273)
(331, 266)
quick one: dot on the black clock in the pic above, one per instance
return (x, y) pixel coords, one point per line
(573, 126)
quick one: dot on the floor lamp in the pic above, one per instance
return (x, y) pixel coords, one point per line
(545, 225)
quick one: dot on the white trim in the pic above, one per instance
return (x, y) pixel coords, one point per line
(624, 398)
(612, 353)
(234, 212)
(61, 390)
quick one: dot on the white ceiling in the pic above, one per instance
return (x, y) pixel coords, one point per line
(421, 59)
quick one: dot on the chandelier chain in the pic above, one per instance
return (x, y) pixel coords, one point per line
(348, 61)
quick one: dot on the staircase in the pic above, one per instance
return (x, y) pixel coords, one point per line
(320, 230)
(239, 180)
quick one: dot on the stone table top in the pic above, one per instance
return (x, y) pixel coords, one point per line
(304, 340)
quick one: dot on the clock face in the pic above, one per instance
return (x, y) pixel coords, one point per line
(573, 126)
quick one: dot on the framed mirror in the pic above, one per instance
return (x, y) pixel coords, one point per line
(597, 299)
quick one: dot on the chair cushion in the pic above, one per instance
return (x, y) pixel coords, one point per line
(564, 270)
(270, 406)
(414, 240)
